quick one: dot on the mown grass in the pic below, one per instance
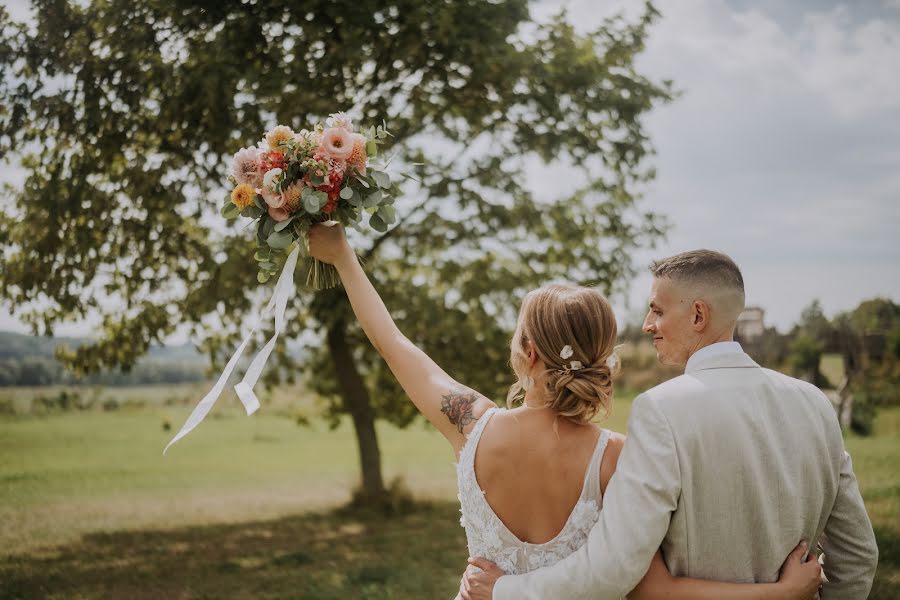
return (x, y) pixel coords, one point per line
(249, 507)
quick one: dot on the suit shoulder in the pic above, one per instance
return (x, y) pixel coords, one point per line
(806, 388)
(677, 386)
(810, 392)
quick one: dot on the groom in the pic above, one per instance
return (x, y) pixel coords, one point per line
(725, 467)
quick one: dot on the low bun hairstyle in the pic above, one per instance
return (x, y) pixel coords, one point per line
(556, 316)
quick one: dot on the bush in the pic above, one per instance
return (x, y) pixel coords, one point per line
(862, 419)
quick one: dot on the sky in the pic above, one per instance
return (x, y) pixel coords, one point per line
(782, 150)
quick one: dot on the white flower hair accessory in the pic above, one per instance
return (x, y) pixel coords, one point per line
(613, 361)
(566, 353)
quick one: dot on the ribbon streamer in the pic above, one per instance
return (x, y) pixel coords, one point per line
(284, 289)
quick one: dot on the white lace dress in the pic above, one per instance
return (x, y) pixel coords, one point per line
(489, 538)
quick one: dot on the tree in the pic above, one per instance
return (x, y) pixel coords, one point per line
(123, 113)
(867, 337)
(809, 339)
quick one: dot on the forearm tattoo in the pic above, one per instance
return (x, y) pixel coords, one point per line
(457, 405)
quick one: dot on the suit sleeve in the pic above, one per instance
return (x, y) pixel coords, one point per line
(848, 541)
(639, 502)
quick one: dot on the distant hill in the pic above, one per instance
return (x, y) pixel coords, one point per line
(30, 360)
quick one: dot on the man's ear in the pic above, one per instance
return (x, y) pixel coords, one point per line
(700, 317)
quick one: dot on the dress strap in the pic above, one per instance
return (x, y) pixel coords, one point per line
(467, 454)
(592, 477)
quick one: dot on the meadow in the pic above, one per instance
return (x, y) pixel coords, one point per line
(258, 507)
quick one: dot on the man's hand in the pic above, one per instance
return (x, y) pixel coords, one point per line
(479, 585)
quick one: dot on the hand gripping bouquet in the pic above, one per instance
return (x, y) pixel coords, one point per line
(286, 184)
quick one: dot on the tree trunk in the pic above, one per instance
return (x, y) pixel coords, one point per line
(356, 402)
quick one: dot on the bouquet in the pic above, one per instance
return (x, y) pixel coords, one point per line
(290, 181)
(286, 184)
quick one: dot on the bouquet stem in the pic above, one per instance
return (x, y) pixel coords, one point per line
(322, 276)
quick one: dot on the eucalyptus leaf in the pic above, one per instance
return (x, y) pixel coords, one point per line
(372, 148)
(310, 204)
(387, 213)
(282, 225)
(264, 254)
(373, 199)
(230, 211)
(347, 193)
(382, 179)
(263, 276)
(268, 227)
(267, 265)
(377, 223)
(321, 199)
(280, 240)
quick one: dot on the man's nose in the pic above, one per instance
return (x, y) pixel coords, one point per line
(648, 327)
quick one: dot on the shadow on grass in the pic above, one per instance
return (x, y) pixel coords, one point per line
(336, 554)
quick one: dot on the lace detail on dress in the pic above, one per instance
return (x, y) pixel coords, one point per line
(489, 538)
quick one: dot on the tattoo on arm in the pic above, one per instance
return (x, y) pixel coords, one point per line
(457, 405)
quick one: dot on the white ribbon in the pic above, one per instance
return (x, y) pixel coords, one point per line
(284, 289)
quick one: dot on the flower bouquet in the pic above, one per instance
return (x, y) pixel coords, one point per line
(286, 184)
(290, 181)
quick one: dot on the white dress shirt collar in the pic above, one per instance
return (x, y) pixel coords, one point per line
(712, 350)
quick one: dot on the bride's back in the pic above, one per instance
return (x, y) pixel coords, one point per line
(531, 478)
(532, 466)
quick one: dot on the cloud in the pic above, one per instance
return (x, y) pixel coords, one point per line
(782, 149)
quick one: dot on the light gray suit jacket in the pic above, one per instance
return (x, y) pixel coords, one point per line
(727, 468)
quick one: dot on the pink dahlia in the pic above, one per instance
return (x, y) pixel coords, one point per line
(246, 166)
(337, 143)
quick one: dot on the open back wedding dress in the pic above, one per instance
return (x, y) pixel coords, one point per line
(489, 538)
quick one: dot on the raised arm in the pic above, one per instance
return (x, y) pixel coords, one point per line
(448, 405)
(799, 581)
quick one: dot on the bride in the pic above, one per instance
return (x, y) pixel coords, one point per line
(531, 479)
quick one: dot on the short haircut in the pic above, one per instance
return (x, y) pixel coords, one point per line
(703, 268)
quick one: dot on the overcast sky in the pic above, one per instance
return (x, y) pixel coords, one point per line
(783, 149)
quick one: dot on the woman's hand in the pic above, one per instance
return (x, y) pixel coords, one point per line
(800, 579)
(328, 244)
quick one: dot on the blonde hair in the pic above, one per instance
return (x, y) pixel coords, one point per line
(556, 316)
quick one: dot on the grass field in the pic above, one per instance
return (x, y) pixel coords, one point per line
(250, 507)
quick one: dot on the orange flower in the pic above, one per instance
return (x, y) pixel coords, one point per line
(292, 196)
(242, 195)
(278, 136)
(358, 157)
